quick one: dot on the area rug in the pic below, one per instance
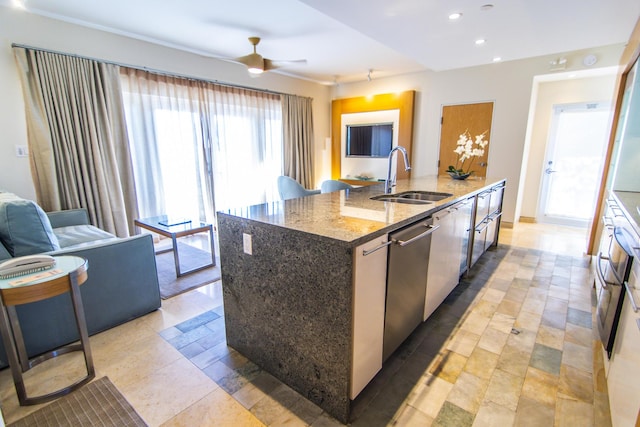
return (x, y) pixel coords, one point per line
(190, 258)
(99, 403)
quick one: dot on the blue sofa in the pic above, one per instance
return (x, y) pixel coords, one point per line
(122, 282)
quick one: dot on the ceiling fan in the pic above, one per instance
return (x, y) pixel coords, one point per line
(257, 64)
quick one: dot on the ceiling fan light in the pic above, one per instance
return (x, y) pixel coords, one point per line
(255, 70)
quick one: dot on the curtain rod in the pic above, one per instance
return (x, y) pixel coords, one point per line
(152, 70)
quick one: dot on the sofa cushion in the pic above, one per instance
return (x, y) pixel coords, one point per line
(24, 227)
(73, 235)
(4, 253)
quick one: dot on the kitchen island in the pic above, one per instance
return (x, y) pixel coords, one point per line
(300, 299)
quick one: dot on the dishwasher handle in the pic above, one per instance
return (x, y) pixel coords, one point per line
(431, 229)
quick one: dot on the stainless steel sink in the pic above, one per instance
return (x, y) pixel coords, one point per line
(413, 197)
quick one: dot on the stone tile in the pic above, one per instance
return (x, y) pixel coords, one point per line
(251, 393)
(491, 415)
(557, 305)
(274, 406)
(481, 363)
(463, 342)
(578, 335)
(578, 356)
(531, 413)
(526, 320)
(156, 402)
(504, 389)
(216, 408)
(532, 305)
(554, 319)
(232, 380)
(452, 415)
(197, 321)
(572, 413)
(541, 386)
(476, 323)
(576, 384)
(189, 337)
(516, 294)
(493, 295)
(467, 392)
(408, 417)
(547, 359)
(579, 317)
(493, 340)
(601, 410)
(514, 360)
(430, 395)
(502, 322)
(448, 366)
(510, 308)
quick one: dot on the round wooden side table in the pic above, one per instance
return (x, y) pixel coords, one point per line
(66, 276)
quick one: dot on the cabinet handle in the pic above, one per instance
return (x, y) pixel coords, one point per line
(485, 222)
(607, 222)
(431, 229)
(366, 252)
(604, 283)
(632, 300)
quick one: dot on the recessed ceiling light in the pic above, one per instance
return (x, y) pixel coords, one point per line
(455, 16)
(480, 42)
(497, 59)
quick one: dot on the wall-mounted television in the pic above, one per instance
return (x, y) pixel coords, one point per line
(369, 140)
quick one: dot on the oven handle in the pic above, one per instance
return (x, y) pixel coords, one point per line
(604, 283)
(635, 307)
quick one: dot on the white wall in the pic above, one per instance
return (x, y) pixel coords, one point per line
(592, 89)
(507, 84)
(22, 28)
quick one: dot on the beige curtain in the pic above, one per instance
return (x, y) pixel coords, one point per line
(77, 137)
(298, 138)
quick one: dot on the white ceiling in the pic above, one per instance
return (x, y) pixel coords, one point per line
(343, 39)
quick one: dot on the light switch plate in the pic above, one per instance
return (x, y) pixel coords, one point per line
(22, 151)
(246, 244)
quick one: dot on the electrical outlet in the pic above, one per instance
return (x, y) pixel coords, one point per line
(246, 244)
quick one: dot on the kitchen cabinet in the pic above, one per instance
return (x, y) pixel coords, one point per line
(487, 221)
(624, 365)
(448, 255)
(369, 286)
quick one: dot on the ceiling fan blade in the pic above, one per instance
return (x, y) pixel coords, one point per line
(271, 64)
(252, 59)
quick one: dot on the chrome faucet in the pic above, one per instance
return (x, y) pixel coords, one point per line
(389, 183)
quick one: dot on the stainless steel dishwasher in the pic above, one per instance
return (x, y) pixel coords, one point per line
(406, 282)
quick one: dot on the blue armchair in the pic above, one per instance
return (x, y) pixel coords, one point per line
(122, 279)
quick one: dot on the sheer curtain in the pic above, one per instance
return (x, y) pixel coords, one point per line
(199, 147)
(78, 144)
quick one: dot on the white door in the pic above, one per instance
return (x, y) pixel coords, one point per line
(573, 164)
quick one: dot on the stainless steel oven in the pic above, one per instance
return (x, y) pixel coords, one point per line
(613, 266)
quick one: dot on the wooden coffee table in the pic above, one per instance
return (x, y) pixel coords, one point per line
(175, 228)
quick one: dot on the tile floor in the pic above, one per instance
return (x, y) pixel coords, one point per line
(512, 345)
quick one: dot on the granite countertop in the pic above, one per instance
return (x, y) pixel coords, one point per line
(630, 202)
(352, 217)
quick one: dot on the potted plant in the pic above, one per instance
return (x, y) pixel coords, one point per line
(467, 149)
